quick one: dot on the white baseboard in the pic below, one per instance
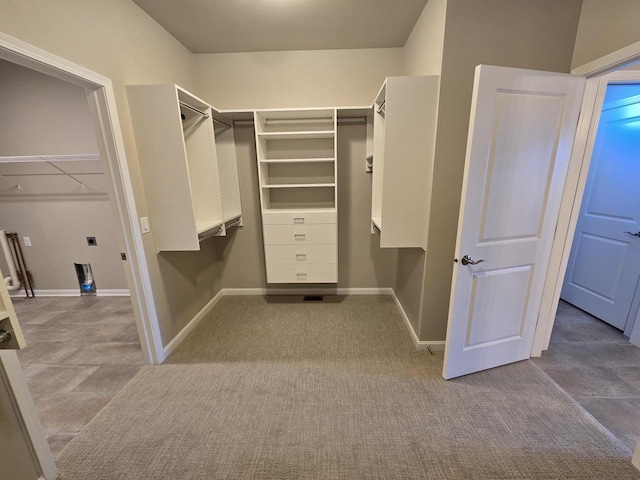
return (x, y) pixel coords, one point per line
(308, 291)
(73, 292)
(434, 346)
(178, 339)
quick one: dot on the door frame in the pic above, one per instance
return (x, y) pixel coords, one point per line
(102, 103)
(599, 74)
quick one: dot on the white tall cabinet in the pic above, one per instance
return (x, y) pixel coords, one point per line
(296, 155)
(188, 165)
(404, 128)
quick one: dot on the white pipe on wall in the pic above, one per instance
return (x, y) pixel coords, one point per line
(11, 281)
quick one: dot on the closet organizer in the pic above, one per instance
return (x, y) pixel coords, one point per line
(296, 155)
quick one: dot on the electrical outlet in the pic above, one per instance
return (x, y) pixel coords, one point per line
(26, 241)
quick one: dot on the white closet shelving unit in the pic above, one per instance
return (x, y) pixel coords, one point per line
(404, 127)
(185, 181)
(296, 154)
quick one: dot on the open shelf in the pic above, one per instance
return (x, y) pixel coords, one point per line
(203, 227)
(297, 172)
(300, 185)
(291, 122)
(299, 160)
(298, 135)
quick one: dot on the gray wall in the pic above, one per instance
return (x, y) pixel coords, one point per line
(118, 40)
(362, 264)
(605, 26)
(515, 33)
(303, 79)
(41, 115)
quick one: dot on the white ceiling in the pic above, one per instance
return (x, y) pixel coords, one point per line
(221, 26)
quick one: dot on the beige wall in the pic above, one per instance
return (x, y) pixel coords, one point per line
(41, 115)
(422, 56)
(302, 79)
(516, 33)
(423, 49)
(362, 264)
(119, 41)
(314, 78)
(605, 26)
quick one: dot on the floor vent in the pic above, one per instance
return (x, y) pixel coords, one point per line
(312, 298)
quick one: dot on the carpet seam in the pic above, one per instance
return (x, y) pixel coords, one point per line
(583, 410)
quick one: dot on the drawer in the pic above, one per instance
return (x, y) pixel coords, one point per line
(301, 254)
(300, 234)
(309, 273)
(298, 218)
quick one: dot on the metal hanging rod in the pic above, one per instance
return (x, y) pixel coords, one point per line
(300, 120)
(68, 175)
(194, 109)
(15, 185)
(228, 125)
(381, 107)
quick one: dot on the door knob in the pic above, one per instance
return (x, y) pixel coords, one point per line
(637, 234)
(466, 260)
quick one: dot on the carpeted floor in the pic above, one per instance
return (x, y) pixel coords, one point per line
(279, 389)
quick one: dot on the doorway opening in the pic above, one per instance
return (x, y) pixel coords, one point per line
(82, 340)
(590, 355)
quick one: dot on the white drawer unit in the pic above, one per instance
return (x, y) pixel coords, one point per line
(309, 273)
(299, 218)
(300, 234)
(301, 254)
(296, 154)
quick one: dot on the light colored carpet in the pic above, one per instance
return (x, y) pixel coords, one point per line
(282, 390)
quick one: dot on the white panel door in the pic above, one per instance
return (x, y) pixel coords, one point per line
(604, 265)
(520, 135)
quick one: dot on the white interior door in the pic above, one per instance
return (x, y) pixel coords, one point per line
(604, 265)
(520, 136)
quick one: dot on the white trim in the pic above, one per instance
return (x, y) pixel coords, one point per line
(636, 457)
(571, 201)
(609, 62)
(72, 292)
(308, 291)
(16, 383)
(179, 338)
(101, 99)
(434, 346)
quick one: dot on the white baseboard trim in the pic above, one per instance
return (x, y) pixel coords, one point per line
(178, 339)
(73, 292)
(308, 291)
(434, 346)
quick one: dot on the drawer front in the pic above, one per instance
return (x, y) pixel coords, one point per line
(300, 234)
(301, 254)
(310, 273)
(298, 218)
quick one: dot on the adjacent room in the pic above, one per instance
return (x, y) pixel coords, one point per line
(318, 239)
(55, 213)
